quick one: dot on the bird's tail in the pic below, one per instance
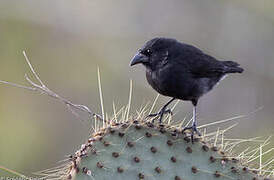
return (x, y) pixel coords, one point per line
(232, 67)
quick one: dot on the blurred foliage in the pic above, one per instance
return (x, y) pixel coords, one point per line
(66, 40)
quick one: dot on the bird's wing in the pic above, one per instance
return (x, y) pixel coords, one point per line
(200, 65)
(203, 65)
(207, 66)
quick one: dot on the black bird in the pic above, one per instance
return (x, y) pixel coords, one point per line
(181, 71)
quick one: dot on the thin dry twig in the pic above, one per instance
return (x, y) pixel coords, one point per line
(42, 88)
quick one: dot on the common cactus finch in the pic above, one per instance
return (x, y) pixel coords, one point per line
(181, 71)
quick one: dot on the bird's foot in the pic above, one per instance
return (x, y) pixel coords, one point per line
(160, 114)
(194, 130)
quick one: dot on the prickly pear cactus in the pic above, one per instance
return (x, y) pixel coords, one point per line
(139, 150)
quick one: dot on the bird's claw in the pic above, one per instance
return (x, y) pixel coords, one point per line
(194, 130)
(168, 111)
(160, 113)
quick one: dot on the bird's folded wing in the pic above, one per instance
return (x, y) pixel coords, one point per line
(206, 66)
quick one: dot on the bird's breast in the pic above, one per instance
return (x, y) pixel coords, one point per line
(152, 79)
(170, 82)
(158, 81)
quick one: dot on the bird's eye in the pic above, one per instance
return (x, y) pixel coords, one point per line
(147, 52)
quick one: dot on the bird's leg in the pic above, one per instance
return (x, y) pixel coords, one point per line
(194, 125)
(162, 111)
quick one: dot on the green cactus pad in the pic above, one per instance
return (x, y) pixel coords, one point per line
(136, 150)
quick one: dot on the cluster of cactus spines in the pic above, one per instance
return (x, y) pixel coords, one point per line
(137, 149)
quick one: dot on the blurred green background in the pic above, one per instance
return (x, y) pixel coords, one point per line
(67, 39)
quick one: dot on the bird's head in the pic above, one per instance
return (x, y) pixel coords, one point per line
(154, 53)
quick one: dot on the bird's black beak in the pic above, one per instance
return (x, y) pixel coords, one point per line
(139, 58)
